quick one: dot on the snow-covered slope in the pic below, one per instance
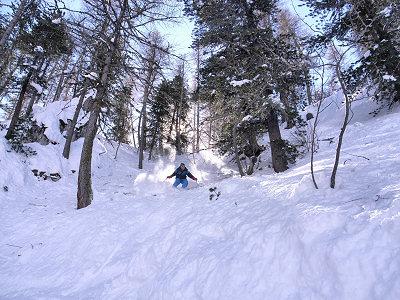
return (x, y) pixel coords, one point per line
(269, 236)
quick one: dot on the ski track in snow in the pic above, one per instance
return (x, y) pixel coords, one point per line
(269, 236)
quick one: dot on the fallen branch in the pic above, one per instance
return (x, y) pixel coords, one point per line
(14, 246)
(360, 156)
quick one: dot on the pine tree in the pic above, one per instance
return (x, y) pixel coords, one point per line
(39, 44)
(239, 74)
(372, 28)
(159, 114)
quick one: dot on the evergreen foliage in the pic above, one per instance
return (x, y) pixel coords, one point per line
(372, 28)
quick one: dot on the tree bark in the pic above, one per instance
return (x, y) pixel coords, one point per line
(308, 86)
(178, 115)
(237, 158)
(284, 97)
(35, 95)
(13, 23)
(198, 99)
(71, 129)
(344, 126)
(279, 159)
(139, 127)
(60, 84)
(85, 192)
(146, 94)
(18, 107)
(153, 142)
(198, 126)
(171, 127)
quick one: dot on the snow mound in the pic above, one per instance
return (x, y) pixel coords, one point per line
(51, 115)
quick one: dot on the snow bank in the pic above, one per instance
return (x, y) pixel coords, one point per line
(51, 115)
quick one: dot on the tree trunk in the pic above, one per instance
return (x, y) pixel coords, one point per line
(153, 142)
(255, 152)
(13, 23)
(194, 130)
(139, 127)
(278, 153)
(142, 131)
(198, 126)
(210, 133)
(60, 84)
(18, 106)
(308, 86)
(178, 115)
(146, 94)
(198, 99)
(171, 127)
(35, 95)
(284, 97)
(71, 129)
(33, 100)
(133, 129)
(10, 76)
(343, 129)
(85, 193)
(237, 158)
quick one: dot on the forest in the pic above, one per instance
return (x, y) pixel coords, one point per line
(285, 112)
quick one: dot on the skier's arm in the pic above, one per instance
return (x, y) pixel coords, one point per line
(192, 177)
(172, 175)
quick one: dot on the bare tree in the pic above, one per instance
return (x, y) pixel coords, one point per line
(85, 192)
(18, 107)
(14, 21)
(338, 61)
(121, 22)
(314, 127)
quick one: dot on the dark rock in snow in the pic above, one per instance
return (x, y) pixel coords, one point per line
(309, 116)
(41, 174)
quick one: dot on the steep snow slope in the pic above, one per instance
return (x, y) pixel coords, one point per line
(270, 236)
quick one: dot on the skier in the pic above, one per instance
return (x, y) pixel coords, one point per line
(180, 176)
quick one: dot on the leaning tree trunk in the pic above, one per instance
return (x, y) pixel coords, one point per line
(278, 153)
(343, 129)
(33, 100)
(35, 95)
(71, 129)
(18, 107)
(85, 193)
(13, 23)
(9, 76)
